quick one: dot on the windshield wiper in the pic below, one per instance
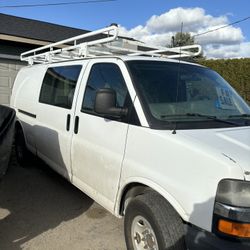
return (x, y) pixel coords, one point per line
(214, 118)
(211, 117)
(239, 116)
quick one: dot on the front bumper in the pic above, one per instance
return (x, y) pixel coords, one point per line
(197, 239)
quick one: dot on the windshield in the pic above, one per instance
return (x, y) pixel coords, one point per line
(186, 95)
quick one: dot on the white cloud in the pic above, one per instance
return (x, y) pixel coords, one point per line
(193, 19)
(230, 51)
(227, 36)
(158, 30)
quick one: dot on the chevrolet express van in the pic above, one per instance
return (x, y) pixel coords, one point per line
(161, 142)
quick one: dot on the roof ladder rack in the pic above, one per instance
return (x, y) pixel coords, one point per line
(103, 42)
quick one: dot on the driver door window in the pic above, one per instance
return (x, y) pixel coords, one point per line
(104, 75)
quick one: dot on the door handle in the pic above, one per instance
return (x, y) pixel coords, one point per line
(68, 122)
(76, 124)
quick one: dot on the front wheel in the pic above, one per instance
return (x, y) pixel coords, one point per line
(152, 223)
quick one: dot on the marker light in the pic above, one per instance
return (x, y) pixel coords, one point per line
(235, 229)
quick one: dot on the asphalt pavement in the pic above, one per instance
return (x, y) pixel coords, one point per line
(41, 210)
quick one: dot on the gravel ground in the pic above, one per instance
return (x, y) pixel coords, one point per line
(41, 210)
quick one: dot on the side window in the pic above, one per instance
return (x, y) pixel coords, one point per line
(104, 75)
(58, 86)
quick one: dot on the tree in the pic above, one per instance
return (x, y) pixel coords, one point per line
(182, 39)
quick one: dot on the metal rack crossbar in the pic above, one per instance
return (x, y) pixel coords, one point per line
(103, 42)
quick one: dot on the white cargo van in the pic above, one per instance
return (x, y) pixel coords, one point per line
(163, 142)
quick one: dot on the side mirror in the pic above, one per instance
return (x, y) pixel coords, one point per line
(105, 104)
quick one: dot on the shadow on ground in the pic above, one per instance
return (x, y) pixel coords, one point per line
(35, 200)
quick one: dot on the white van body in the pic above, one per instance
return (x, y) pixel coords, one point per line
(107, 158)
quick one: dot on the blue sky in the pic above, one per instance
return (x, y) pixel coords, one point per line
(154, 21)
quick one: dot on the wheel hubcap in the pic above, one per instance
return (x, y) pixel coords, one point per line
(143, 234)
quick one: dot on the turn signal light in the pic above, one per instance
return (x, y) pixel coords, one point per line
(234, 229)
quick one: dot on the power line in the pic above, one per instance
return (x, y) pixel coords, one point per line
(222, 27)
(55, 4)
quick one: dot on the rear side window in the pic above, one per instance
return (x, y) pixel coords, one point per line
(59, 86)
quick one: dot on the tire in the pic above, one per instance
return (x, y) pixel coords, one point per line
(23, 156)
(152, 223)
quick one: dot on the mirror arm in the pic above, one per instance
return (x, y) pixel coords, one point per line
(121, 112)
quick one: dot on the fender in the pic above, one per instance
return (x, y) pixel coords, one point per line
(143, 181)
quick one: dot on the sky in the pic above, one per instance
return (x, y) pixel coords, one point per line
(154, 21)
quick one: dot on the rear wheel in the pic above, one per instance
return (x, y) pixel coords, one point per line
(152, 223)
(23, 155)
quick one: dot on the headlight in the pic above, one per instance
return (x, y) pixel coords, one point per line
(234, 192)
(232, 209)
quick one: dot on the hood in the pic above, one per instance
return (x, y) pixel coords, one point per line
(233, 143)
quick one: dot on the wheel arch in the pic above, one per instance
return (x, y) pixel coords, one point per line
(19, 125)
(136, 187)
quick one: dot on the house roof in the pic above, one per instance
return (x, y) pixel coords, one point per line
(18, 34)
(38, 30)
